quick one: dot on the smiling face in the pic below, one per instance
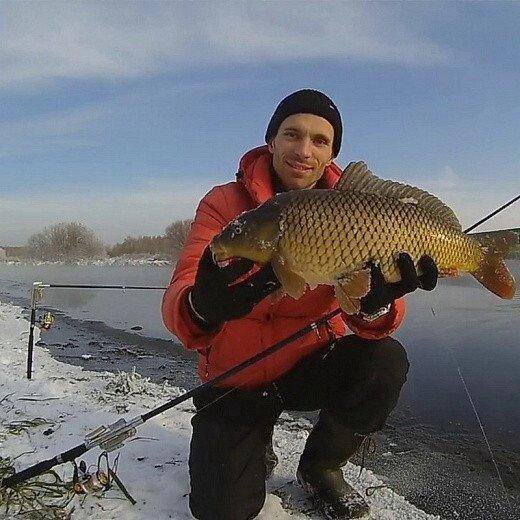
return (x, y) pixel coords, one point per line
(301, 149)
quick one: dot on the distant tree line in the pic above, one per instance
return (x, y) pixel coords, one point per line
(167, 246)
(72, 241)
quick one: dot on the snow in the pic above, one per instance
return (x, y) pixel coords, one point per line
(153, 465)
(135, 259)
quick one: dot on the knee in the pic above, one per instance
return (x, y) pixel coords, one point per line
(383, 360)
(389, 362)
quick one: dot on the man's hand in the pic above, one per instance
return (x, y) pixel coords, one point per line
(213, 299)
(382, 293)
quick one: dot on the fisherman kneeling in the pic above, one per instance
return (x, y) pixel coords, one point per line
(227, 315)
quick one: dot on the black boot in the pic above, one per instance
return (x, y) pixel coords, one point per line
(333, 497)
(328, 448)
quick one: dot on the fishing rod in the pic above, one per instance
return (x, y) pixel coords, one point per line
(487, 217)
(114, 435)
(83, 286)
(37, 292)
(36, 297)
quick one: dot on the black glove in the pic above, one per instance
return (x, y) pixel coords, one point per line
(383, 293)
(213, 300)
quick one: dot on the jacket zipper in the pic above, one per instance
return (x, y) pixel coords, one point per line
(206, 354)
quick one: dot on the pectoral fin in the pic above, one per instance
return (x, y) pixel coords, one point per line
(351, 288)
(292, 284)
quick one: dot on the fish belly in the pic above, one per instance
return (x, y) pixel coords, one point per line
(326, 237)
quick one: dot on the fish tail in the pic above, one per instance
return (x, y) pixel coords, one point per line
(492, 271)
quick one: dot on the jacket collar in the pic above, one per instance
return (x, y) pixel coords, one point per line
(255, 174)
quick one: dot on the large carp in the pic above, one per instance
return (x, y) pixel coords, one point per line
(327, 236)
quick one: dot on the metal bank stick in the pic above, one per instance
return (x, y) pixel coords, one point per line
(37, 295)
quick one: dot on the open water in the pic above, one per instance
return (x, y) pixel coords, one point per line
(458, 330)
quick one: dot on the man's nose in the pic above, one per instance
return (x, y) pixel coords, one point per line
(304, 148)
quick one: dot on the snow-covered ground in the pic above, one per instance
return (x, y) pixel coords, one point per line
(132, 260)
(153, 466)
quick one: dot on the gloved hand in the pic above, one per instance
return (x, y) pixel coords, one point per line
(383, 293)
(213, 300)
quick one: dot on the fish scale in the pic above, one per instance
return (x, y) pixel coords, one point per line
(371, 228)
(318, 236)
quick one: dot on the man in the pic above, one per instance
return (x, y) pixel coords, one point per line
(227, 315)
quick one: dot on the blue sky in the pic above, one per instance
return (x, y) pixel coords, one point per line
(122, 115)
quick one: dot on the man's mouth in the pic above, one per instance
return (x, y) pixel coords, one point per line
(300, 167)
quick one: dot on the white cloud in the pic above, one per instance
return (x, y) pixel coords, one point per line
(149, 207)
(64, 128)
(144, 209)
(44, 41)
(83, 125)
(447, 180)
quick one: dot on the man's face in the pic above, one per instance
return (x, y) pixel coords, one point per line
(301, 150)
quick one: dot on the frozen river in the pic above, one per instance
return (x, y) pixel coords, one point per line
(460, 324)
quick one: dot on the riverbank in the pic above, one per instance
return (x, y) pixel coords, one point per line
(124, 260)
(444, 472)
(71, 400)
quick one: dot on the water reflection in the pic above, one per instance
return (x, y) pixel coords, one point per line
(472, 329)
(460, 322)
(68, 298)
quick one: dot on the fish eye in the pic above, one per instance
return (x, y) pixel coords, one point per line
(236, 228)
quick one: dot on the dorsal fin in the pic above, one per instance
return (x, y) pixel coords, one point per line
(358, 177)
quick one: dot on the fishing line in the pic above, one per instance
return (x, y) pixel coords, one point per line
(218, 398)
(461, 377)
(485, 437)
(481, 425)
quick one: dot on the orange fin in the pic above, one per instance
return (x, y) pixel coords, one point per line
(351, 288)
(493, 272)
(292, 284)
(348, 304)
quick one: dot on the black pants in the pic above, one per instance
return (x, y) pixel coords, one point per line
(355, 383)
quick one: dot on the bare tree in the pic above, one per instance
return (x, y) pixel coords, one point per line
(154, 245)
(64, 241)
(176, 234)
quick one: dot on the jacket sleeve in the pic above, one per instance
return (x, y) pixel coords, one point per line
(209, 221)
(379, 328)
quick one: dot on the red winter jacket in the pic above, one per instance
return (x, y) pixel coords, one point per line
(269, 322)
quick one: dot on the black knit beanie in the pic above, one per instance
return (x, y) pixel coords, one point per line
(307, 101)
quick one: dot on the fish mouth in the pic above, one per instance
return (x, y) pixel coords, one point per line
(220, 255)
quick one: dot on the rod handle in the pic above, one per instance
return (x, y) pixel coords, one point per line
(43, 466)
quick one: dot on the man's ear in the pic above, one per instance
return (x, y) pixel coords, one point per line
(270, 145)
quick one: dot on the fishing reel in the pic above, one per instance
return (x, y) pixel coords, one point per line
(98, 480)
(46, 321)
(85, 482)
